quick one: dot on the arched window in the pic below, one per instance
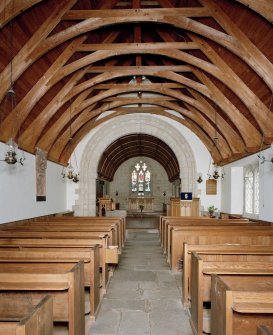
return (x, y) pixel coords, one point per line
(251, 187)
(141, 178)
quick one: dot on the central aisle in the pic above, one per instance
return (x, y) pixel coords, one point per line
(143, 296)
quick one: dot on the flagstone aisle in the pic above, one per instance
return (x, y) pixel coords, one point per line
(143, 296)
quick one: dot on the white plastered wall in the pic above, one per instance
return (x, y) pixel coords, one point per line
(18, 190)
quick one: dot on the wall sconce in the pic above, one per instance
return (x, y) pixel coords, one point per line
(263, 159)
(164, 195)
(200, 179)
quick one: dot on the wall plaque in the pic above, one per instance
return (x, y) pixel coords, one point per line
(211, 186)
(41, 164)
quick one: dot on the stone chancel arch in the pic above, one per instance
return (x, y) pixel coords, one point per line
(123, 125)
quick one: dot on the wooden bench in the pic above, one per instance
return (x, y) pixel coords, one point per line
(214, 252)
(16, 319)
(264, 330)
(121, 221)
(240, 304)
(74, 237)
(73, 244)
(67, 289)
(62, 259)
(79, 230)
(163, 220)
(70, 223)
(201, 281)
(216, 235)
(209, 222)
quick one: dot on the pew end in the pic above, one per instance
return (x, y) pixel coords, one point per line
(38, 320)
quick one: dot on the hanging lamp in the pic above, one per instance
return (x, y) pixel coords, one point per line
(69, 171)
(261, 157)
(12, 146)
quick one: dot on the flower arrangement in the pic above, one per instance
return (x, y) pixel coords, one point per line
(141, 207)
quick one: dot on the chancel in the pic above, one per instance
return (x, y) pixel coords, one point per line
(142, 201)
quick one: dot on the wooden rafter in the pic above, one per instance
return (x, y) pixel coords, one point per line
(100, 65)
(263, 7)
(23, 59)
(11, 8)
(41, 87)
(246, 49)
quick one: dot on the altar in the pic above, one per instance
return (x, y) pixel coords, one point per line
(134, 204)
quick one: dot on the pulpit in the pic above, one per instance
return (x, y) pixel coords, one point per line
(134, 204)
(185, 207)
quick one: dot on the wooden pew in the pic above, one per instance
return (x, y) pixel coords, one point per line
(240, 304)
(264, 330)
(16, 319)
(214, 252)
(121, 221)
(63, 230)
(98, 238)
(99, 219)
(201, 272)
(70, 223)
(173, 220)
(61, 259)
(209, 222)
(66, 288)
(77, 230)
(73, 244)
(216, 235)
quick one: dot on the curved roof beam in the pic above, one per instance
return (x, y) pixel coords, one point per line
(248, 51)
(145, 88)
(250, 133)
(236, 42)
(263, 7)
(86, 117)
(27, 55)
(233, 44)
(256, 107)
(10, 8)
(39, 89)
(66, 152)
(177, 54)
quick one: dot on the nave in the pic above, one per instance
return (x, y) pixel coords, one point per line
(143, 296)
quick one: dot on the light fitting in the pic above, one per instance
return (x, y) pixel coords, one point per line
(199, 180)
(261, 157)
(69, 171)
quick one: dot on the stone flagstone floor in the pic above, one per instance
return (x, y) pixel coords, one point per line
(143, 296)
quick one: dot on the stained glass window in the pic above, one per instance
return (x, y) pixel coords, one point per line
(141, 178)
(251, 201)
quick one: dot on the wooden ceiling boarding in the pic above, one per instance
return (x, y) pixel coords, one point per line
(209, 61)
